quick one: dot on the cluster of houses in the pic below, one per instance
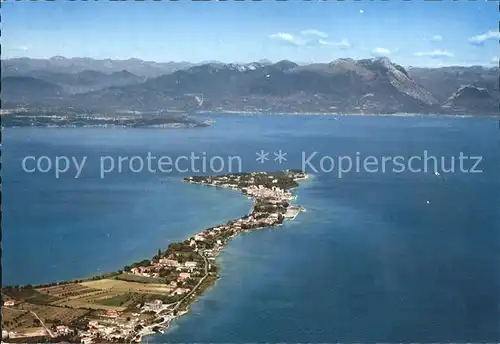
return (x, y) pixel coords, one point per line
(274, 193)
(153, 269)
(270, 208)
(58, 331)
(189, 269)
(273, 196)
(153, 306)
(109, 330)
(62, 330)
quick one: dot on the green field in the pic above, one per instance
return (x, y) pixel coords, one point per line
(118, 300)
(31, 296)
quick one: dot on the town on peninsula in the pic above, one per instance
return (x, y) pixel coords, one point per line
(145, 297)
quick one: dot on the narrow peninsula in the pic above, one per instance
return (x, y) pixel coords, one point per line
(146, 296)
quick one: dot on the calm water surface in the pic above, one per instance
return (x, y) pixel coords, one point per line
(376, 257)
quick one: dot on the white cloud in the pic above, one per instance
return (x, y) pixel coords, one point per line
(480, 39)
(308, 38)
(321, 42)
(434, 54)
(495, 60)
(436, 38)
(343, 44)
(284, 37)
(315, 33)
(18, 48)
(381, 51)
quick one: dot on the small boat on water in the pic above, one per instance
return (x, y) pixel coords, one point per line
(205, 123)
(208, 122)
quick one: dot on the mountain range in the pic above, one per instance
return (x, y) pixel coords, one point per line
(60, 64)
(345, 85)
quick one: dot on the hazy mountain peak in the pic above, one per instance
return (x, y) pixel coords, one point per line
(345, 64)
(61, 64)
(382, 59)
(58, 58)
(286, 62)
(375, 85)
(284, 65)
(265, 62)
(90, 72)
(471, 91)
(469, 98)
(124, 73)
(244, 67)
(346, 60)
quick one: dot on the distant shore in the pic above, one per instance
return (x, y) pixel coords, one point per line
(164, 287)
(342, 114)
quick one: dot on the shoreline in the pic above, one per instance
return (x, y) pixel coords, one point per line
(264, 113)
(194, 259)
(297, 209)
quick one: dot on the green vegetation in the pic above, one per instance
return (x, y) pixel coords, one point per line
(284, 179)
(30, 295)
(139, 279)
(127, 292)
(144, 262)
(118, 300)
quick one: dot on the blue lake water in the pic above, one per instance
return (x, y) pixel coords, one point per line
(377, 256)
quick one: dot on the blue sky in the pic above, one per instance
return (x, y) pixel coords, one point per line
(417, 33)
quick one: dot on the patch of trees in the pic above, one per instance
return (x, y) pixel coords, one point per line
(178, 247)
(259, 216)
(46, 285)
(158, 256)
(165, 272)
(190, 282)
(265, 207)
(207, 244)
(145, 262)
(104, 276)
(188, 256)
(16, 319)
(15, 288)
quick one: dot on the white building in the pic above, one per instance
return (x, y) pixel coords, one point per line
(153, 306)
(199, 237)
(62, 329)
(169, 262)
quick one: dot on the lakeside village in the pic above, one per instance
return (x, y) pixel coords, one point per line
(148, 295)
